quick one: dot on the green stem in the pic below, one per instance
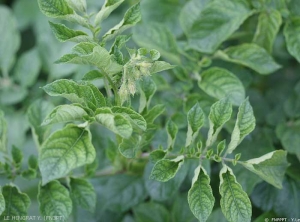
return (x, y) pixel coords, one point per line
(107, 88)
(110, 84)
(225, 154)
(203, 155)
(227, 159)
(93, 30)
(230, 160)
(107, 80)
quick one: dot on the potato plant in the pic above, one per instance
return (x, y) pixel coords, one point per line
(150, 111)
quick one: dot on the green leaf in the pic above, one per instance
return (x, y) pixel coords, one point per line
(54, 200)
(157, 36)
(55, 8)
(292, 105)
(100, 99)
(129, 147)
(247, 180)
(235, 203)
(217, 215)
(114, 122)
(81, 92)
(90, 53)
(17, 155)
(167, 13)
(237, 156)
(180, 210)
(10, 39)
(134, 117)
(65, 150)
(268, 26)
(252, 56)
(78, 5)
(16, 203)
(172, 131)
(218, 82)
(190, 13)
(119, 58)
(159, 191)
(284, 202)
(153, 113)
(145, 212)
(279, 5)
(119, 42)
(294, 8)
(50, 49)
(26, 17)
(220, 113)
(92, 75)
(63, 10)
(32, 162)
(63, 33)
(165, 170)
(287, 199)
(147, 88)
(244, 125)
(83, 193)
(3, 132)
(195, 119)
(289, 137)
(65, 113)
(270, 167)
(108, 7)
(159, 66)
(157, 155)
(90, 169)
(154, 54)
(221, 147)
(264, 196)
(36, 113)
(291, 33)
(200, 196)
(28, 67)
(119, 193)
(29, 174)
(131, 18)
(216, 23)
(12, 95)
(155, 137)
(17, 132)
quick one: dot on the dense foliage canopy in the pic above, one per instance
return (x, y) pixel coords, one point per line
(151, 111)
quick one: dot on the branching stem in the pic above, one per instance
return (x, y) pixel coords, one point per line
(110, 84)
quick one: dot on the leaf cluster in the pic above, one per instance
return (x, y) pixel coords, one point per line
(213, 134)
